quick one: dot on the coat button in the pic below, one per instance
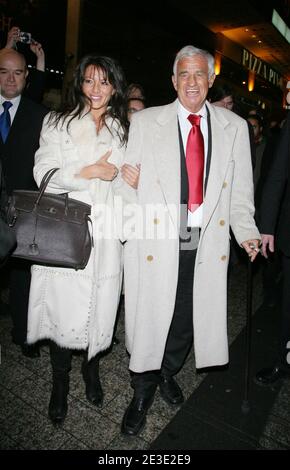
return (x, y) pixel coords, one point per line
(223, 258)
(149, 258)
(156, 221)
(225, 184)
(222, 222)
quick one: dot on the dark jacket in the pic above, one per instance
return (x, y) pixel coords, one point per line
(17, 153)
(275, 200)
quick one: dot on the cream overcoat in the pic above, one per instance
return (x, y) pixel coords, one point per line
(151, 265)
(77, 309)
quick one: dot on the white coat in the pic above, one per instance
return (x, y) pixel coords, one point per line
(77, 309)
(151, 265)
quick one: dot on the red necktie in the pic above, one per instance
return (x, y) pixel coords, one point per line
(195, 163)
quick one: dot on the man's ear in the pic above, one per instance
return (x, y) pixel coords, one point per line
(174, 81)
(211, 80)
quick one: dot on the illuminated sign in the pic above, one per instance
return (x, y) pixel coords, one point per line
(256, 65)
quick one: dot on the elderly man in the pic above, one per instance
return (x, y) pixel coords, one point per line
(193, 156)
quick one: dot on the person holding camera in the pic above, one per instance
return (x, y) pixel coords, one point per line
(20, 126)
(36, 85)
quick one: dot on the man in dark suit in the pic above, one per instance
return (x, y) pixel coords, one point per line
(275, 219)
(20, 126)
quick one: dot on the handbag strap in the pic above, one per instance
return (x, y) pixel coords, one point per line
(44, 182)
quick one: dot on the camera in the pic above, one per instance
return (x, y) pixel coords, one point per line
(25, 38)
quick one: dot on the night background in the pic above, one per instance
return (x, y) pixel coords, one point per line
(143, 36)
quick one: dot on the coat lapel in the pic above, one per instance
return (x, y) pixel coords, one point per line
(222, 137)
(167, 157)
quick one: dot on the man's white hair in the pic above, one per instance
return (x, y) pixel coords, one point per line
(189, 51)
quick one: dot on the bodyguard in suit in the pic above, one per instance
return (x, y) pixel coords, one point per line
(274, 224)
(176, 290)
(20, 126)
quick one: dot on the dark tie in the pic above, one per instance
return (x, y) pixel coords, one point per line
(5, 121)
(195, 163)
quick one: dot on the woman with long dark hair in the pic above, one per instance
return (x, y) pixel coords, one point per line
(77, 309)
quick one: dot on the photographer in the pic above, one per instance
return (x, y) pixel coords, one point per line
(36, 84)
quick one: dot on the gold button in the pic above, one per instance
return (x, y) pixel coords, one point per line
(156, 221)
(225, 184)
(223, 258)
(149, 258)
(222, 222)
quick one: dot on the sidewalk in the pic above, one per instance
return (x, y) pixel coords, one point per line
(212, 411)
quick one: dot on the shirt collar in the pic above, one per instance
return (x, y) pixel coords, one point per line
(14, 101)
(183, 113)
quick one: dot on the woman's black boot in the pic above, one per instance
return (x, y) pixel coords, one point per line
(61, 364)
(90, 372)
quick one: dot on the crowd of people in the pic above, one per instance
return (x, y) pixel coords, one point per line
(192, 162)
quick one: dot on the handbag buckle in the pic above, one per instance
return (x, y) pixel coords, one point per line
(33, 249)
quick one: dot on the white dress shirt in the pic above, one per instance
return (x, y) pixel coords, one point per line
(194, 219)
(15, 103)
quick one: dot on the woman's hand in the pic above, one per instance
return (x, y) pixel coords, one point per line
(102, 169)
(131, 174)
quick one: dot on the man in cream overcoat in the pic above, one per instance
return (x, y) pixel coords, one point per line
(175, 290)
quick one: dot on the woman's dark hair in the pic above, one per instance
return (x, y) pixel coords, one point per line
(135, 86)
(77, 101)
(217, 93)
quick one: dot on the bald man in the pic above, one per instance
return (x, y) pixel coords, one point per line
(18, 144)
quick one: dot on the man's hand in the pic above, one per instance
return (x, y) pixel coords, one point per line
(267, 242)
(12, 37)
(36, 48)
(130, 174)
(252, 248)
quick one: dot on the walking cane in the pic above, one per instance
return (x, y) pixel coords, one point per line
(246, 404)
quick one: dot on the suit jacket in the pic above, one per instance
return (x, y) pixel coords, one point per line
(7, 236)
(151, 262)
(275, 200)
(17, 153)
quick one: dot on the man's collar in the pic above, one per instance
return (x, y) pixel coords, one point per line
(14, 101)
(183, 112)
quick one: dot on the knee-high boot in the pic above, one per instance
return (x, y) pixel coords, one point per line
(90, 372)
(61, 365)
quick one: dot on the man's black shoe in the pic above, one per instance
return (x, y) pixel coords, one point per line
(135, 416)
(270, 375)
(170, 390)
(30, 350)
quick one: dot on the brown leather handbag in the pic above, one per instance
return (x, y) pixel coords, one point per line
(50, 229)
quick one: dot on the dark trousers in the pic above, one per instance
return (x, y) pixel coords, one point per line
(284, 347)
(19, 285)
(271, 274)
(180, 336)
(60, 359)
